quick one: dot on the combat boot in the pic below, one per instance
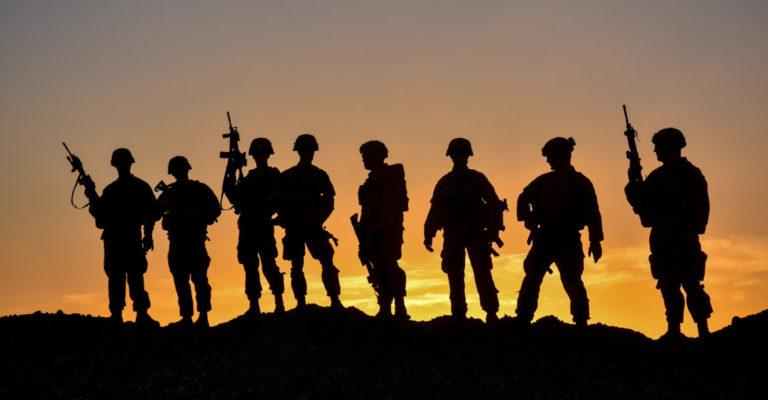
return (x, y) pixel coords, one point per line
(491, 318)
(301, 302)
(703, 328)
(143, 320)
(202, 320)
(673, 333)
(253, 310)
(279, 306)
(401, 314)
(580, 323)
(336, 303)
(116, 318)
(184, 322)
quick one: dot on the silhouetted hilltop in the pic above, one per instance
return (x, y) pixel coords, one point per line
(322, 354)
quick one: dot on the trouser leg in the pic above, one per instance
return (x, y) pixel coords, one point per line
(183, 292)
(673, 299)
(456, 292)
(138, 294)
(298, 281)
(202, 289)
(116, 291)
(330, 277)
(480, 259)
(570, 276)
(699, 304)
(273, 275)
(252, 280)
(528, 298)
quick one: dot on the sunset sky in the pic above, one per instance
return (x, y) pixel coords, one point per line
(158, 76)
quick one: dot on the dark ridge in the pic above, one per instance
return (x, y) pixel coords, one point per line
(318, 353)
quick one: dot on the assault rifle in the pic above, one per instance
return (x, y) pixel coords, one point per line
(634, 173)
(82, 179)
(362, 254)
(236, 159)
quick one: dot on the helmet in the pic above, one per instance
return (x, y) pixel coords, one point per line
(121, 156)
(305, 141)
(261, 146)
(374, 149)
(459, 146)
(178, 163)
(669, 137)
(558, 146)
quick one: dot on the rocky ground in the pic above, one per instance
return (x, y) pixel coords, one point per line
(322, 354)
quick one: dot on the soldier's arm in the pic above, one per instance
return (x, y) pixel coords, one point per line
(151, 211)
(96, 208)
(593, 218)
(232, 189)
(327, 197)
(211, 205)
(524, 208)
(700, 202)
(436, 213)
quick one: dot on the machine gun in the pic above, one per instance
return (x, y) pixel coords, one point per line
(82, 179)
(236, 159)
(634, 173)
(361, 253)
(496, 224)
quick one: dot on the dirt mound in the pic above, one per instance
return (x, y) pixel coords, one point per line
(318, 353)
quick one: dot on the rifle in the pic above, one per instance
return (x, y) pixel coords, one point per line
(362, 254)
(161, 187)
(236, 159)
(82, 179)
(634, 173)
(498, 221)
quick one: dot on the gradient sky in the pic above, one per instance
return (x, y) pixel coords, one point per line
(158, 76)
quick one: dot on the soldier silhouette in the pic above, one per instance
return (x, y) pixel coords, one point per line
(125, 206)
(187, 207)
(252, 198)
(304, 199)
(383, 200)
(673, 201)
(465, 206)
(555, 207)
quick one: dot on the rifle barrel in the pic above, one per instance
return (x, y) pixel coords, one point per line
(626, 117)
(66, 148)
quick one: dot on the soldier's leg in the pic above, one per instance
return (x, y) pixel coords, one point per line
(674, 303)
(180, 263)
(570, 263)
(699, 303)
(384, 270)
(268, 254)
(248, 256)
(135, 277)
(115, 282)
(320, 248)
(199, 278)
(535, 266)
(293, 250)
(479, 252)
(453, 265)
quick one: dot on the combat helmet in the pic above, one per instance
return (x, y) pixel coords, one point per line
(558, 146)
(260, 146)
(305, 142)
(374, 149)
(121, 156)
(178, 164)
(459, 147)
(669, 137)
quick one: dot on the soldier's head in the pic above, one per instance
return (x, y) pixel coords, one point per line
(558, 152)
(260, 150)
(306, 146)
(122, 160)
(179, 167)
(374, 152)
(459, 150)
(668, 144)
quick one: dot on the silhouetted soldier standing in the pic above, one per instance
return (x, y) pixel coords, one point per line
(383, 199)
(124, 207)
(304, 200)
(673, 201)
(252, 198)
(465, 206)
(187, 208)
(555, 207)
